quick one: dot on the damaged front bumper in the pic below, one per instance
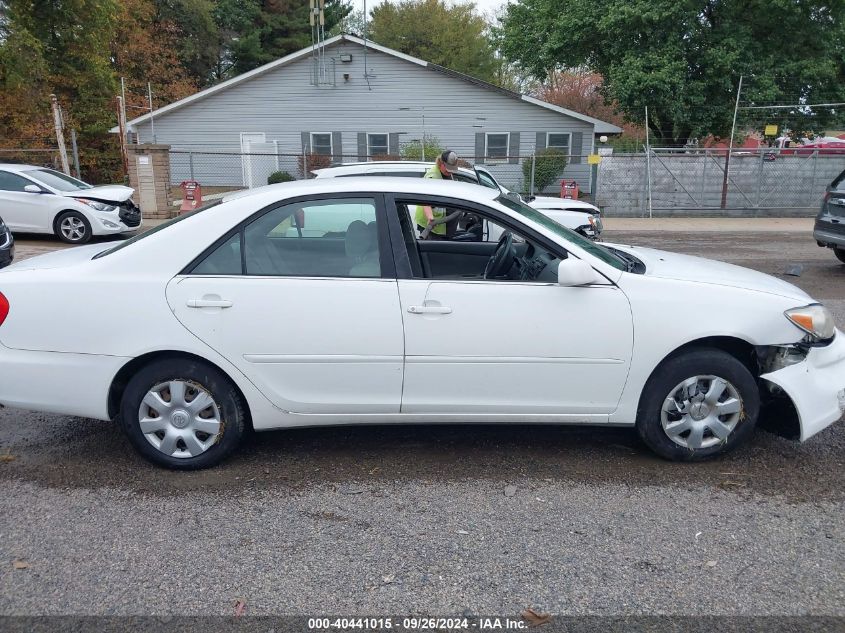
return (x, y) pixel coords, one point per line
(816, 386)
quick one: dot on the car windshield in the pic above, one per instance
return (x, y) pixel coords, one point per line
(153, 231)
(602, 253)
(57, 180)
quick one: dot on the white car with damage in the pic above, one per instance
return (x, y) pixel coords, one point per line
(313, 303)
(42, 200)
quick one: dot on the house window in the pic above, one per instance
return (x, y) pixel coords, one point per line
(558, 141)
(497, 147)
(377, 145)
(321, 143)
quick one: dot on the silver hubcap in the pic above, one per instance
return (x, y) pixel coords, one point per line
(701, 412)
(72, 228)
(180, 418)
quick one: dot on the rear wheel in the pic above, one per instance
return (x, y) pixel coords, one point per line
(698, 405)
(840, 254)
(182, 414)
(73, 228)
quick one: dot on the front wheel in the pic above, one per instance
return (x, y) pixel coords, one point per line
(698, 405)
(73, 228)
(183, 414)
(840, 254)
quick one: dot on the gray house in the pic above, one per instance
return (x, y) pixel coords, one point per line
(351, 100)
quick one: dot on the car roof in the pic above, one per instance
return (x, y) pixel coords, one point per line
(367, 184)
(17, 167)
(410, 165)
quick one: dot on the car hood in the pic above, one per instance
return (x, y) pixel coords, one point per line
(61, 258)
(542, 203)
(666, 265)
(106, 193)
(569, 219)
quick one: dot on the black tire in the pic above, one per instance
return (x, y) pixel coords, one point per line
(675, 370)
(840, 254)
(84, 232)
(230, 406)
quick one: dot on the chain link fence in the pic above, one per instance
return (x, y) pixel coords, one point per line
(254, 169)
(710, 182)
(663, 181)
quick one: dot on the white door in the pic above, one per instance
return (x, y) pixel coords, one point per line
(511, 347)
(247, 139)
(305, 314)
(263, 161)
(21, 210)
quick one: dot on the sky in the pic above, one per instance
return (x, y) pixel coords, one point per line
(484, 6)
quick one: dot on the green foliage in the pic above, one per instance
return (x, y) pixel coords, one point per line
(412, 150)
(549, 165)
(683, 59)
(279, 176)
(451, 36)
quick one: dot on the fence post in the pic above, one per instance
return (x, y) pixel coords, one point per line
(815, 165)
(533, 166)
(191, 164)
(760, 176)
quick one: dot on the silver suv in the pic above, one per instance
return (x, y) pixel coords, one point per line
(829, 230)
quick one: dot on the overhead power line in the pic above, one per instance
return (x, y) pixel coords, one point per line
(795, 105)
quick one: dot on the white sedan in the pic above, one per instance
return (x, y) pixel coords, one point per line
(41, 200)
(314, 303)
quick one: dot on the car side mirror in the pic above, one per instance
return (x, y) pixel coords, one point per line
(33, 189)
(576, 272)
(513, 195)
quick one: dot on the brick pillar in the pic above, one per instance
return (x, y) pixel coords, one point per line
(149, 175)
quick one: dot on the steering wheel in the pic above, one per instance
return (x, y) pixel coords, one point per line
(502, 258)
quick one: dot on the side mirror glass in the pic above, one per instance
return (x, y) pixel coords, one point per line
(576, 272)
(33, 189)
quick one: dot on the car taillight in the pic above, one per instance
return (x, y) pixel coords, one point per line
(4, 308)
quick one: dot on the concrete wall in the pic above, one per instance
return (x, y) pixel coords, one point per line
(691, 184)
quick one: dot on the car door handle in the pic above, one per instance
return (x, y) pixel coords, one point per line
(209, 303)
(429, 310)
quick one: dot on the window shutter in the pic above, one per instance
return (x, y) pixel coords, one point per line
(513, 149)
(306, 142)
(479, 148)
(577, 148)
(541, 141)
(362, 146)
(393, 144)
(337, 147)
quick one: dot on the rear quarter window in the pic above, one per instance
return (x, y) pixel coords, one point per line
(838, 184)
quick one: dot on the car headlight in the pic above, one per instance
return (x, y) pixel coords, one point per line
(814, 319)
(99, 206)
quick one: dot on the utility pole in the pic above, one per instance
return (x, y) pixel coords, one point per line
(152, 121)
(60, 138)
(730, 148)
(75, 152)
(648, 163)
(121, 123)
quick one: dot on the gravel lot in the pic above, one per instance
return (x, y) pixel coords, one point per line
(440, 521)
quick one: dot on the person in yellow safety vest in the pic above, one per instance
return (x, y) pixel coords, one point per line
(443, 168)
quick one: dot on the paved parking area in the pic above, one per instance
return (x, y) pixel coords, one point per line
(435, 520)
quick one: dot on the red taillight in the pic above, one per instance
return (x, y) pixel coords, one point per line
(4, 308)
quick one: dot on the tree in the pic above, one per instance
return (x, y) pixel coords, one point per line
(683, 58)
(454, 37)
(145, 48)
(548, 165)
(71, 40)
